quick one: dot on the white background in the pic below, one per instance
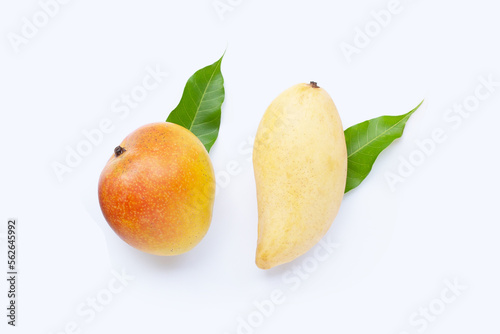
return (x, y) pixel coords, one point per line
(395, 248)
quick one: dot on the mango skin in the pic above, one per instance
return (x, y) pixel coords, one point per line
(300, 167)
(158, 195)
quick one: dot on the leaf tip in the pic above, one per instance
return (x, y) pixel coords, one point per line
(416, 108)
(222, 57)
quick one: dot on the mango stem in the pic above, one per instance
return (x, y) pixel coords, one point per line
(119, 151)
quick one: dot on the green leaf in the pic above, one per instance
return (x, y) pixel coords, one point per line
(200, 107)
(365, 141)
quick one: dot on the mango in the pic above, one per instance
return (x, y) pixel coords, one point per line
(157, 190)
(300, 167)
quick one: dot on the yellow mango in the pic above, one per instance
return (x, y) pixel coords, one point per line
(300, 166)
